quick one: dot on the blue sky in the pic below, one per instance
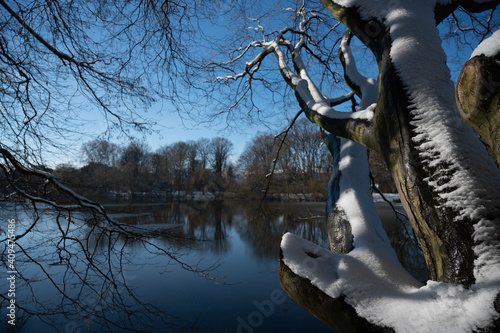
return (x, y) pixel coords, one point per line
(171, 128)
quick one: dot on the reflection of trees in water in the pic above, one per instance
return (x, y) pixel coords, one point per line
(205, 226)
(74, 271)
(198, 225)
(264, 225)
(405, 243)
(80, 272)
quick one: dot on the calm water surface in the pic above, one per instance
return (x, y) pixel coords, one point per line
(235, 243)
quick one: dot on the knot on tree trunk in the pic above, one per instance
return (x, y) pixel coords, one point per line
(339, 231)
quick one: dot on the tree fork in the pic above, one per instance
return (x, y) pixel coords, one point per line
(447, 244)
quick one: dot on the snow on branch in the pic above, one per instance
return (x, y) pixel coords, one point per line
(250, 67)
(490, 47)
(384, 294)
(341, 99)
(297, 75)
(367, 88)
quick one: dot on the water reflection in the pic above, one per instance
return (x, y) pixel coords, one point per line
(206, 226)
(155, 285)
(404, 241)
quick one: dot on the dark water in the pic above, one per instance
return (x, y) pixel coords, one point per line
(206, 267)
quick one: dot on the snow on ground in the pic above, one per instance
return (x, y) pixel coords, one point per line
(392, 197)
(489, 47)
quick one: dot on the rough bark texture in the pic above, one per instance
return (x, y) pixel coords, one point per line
(339, 231)
(336, 313)
(478, 99)
(447, 243)
(445, 234)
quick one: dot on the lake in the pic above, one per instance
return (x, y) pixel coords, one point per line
(206, 267)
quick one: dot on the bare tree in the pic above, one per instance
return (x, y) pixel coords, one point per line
(101, 151)
(203, 151)
(257, 160)
(134, 163)
(306, 149)
(220, 148)
(179, 163)
(62, 63)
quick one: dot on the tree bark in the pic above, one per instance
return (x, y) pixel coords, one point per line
(447, 245)
(445, 234)
(478, 99)
(334, 312)
(337, 223)
(447, 184)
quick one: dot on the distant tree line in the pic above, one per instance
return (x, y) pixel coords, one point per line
(292, 165)
(135, 169)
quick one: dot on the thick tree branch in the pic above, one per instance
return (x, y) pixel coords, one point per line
(317, 107)
(478, 96)
(365, 88)
(342, 99)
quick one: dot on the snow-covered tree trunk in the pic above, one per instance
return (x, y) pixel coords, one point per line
(448, 185)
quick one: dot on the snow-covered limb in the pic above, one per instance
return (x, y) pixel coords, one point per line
(342, 99)
(461, 177)
(422, 139)
(448, 185)
(384, 293)
(489, 47)
(345, 10)
(242, 53)
(362, 86)
(352, 125)
(370, 279)
(250, 67)
(318, 108)
(350, 164)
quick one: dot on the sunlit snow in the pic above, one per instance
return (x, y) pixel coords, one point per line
(370, 277)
